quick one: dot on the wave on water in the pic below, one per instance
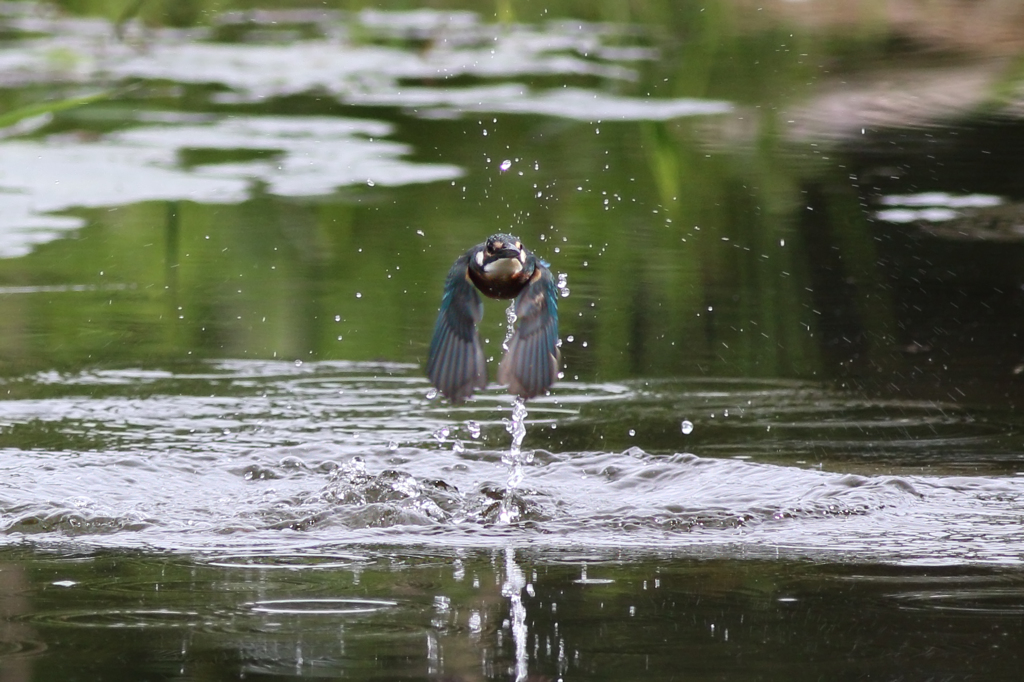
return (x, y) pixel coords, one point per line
(277, 456)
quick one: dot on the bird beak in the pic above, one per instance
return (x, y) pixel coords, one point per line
(510, 252)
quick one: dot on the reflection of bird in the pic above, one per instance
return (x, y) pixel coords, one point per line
(500, 268)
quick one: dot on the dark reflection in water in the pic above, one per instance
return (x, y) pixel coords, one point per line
(515, 615)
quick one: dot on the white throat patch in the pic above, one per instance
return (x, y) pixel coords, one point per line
(505, 267)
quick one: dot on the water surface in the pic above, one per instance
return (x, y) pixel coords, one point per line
(787, 442)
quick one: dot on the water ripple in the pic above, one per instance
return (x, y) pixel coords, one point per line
(264, 464)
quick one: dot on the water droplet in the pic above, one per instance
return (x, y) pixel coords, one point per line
(420, 233)
(339, 337)
(510, 318)
(392, 445)
(441, 434)
(337, 318)
(505, 165)
(632, 432)
(370, 182)
(570, 338)
(359, 294)
(431, 394)
(458, 447)
(687, 427)
(563, 283)
(473, 428)
(298, 363)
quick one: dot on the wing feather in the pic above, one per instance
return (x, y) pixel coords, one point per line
(455, 363)
(530, 366)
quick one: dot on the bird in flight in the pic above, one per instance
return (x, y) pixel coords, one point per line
(503, 268)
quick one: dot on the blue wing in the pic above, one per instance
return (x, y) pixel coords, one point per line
(456, 363)
(530, 366)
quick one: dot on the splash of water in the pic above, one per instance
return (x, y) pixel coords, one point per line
(514, 459)
(510, 317)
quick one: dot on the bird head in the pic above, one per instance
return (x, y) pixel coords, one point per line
(502, 257)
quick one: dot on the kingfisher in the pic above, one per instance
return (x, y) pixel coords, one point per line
(502, 268)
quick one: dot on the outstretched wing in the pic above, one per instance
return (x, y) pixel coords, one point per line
(456, 363)
(530, 366)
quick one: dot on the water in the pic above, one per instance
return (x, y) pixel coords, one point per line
(255, 517)
(515, 459)
(787, 439)
(250, 454)
(699, 617)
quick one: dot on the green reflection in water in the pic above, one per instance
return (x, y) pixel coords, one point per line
(679, 261)
(697, 245)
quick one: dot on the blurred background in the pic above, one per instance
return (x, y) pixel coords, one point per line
(776, 189)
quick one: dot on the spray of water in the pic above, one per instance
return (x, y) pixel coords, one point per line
(515, 458)
(510, 329)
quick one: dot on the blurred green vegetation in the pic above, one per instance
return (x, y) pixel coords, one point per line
(685, 254)
(679, 261)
